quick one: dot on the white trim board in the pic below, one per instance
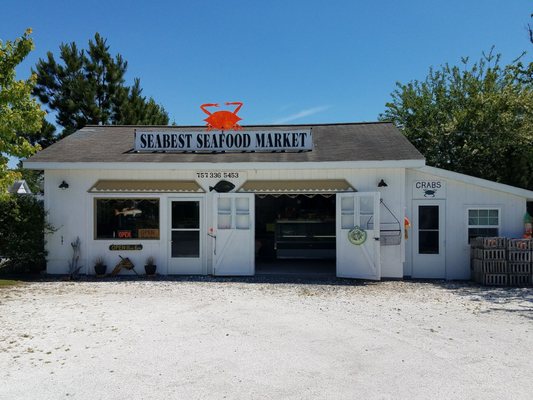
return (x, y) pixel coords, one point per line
(236, 165)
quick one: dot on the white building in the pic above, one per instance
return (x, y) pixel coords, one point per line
(19, 187)
(262, 198)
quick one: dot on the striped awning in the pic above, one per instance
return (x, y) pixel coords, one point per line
(297, 186)
(139, 186)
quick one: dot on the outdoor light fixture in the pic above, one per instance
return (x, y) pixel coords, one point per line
(382, 183)
(63, 186)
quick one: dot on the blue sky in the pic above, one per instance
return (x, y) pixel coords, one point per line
(288, 61)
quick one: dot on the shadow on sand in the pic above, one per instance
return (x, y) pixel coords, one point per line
(498, 297)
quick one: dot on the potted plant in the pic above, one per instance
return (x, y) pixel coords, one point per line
(99, 266)
(150, 266)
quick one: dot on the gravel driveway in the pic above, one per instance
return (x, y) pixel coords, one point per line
(250, 339)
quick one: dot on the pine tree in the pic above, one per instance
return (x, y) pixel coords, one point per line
(88, 87)
(137, 110)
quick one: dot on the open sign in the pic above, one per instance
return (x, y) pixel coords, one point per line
(124, 234)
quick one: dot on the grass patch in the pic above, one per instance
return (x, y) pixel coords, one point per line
(8, 283)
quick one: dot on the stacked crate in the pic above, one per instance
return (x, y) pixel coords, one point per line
(502, 262)
(489, 261)
(520, 253)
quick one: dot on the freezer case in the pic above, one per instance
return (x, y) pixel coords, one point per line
(305, 239)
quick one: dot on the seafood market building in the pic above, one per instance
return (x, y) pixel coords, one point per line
(353, 200)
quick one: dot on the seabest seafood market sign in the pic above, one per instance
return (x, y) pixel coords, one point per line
(219, 141)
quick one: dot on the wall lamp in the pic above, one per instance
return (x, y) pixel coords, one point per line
(382, 183)
(63, 186)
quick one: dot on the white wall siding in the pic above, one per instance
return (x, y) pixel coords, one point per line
(71, 211)
(459, 197)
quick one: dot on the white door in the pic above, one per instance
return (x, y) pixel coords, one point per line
(429, 239)
(234, 237)
(186, 239)
(360, 260)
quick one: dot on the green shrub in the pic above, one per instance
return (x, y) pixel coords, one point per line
(22, 229)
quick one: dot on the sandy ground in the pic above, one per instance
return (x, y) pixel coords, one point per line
(227, 339)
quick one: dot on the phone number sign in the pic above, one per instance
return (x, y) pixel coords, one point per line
(218, 175)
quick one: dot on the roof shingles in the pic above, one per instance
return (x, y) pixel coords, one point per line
(376, 141)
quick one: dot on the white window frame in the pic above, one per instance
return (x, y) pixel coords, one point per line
(468, 226)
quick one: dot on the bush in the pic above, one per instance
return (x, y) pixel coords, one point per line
(22, 229)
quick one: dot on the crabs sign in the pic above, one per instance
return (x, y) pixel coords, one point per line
(222, 120)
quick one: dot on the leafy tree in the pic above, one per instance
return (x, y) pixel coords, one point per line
(18, 111)
(22, 229)
(88, 87)
(44, 137)
(476, 119)
(33, 178)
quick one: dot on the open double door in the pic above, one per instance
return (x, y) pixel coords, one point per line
(234, 237)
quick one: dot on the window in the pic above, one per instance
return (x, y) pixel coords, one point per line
(483, 222)
(428, 230)
(131, 218)
(185, 230)
(233, 213)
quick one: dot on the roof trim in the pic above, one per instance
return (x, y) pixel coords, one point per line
(416, 163)
(472, 180)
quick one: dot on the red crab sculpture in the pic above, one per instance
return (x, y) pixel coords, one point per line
(222, 120)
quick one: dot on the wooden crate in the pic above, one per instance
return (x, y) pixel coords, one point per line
(490, 267)
(519, 268)
(495, 279)
(489, 242)
(520, 256)
(490, 254)
(477, 277)
(477, 274)
(476, 243)
(520, 244)
(473, 272)
(519, 279)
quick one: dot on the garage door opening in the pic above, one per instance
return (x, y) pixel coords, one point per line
(295, 234)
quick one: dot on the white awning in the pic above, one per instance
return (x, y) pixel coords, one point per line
(321, 186)
(129, 186)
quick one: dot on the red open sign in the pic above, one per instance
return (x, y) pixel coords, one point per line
(124, 234)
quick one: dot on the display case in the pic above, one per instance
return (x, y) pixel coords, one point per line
(305, 239)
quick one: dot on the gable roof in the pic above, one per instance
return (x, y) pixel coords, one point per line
(375, 141)
(472, 180)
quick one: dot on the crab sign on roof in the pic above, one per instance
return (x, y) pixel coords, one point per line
(218, 139)
(223, 120)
